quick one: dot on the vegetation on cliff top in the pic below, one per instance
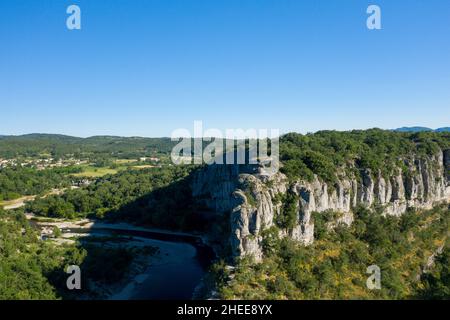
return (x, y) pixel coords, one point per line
(324, 152)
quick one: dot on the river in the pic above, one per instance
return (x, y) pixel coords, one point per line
(175, 272)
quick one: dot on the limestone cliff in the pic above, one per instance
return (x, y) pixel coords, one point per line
(246, 194)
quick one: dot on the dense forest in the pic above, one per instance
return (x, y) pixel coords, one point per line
(34, 269)
(26, 263)
(18, 181)
(334, 266)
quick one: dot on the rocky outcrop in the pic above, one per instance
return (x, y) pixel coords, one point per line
(247, 196)
(239, 193)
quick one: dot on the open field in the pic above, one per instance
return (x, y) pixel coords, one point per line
(144, 166)
(122, 164)
(93, 172)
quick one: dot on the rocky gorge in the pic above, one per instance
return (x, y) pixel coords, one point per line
(249, 196)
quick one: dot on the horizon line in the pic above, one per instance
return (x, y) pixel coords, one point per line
(423, 128)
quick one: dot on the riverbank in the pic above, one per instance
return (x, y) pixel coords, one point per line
(90, 224)
(16, 203)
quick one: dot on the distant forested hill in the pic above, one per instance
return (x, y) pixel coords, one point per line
(59, 146)
(422, 129)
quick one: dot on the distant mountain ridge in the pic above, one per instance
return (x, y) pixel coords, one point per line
(421, 129)
(63, 137)
(67, 137)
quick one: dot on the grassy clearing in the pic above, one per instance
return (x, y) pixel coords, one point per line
(144, 166)
(91, 171)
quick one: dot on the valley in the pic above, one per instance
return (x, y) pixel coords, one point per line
(342, 201)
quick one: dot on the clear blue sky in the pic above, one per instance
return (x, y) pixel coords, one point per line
(149, 67)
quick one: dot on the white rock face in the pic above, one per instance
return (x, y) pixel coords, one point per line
(224, 189)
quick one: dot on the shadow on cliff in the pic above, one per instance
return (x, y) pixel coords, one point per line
(170, 207)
